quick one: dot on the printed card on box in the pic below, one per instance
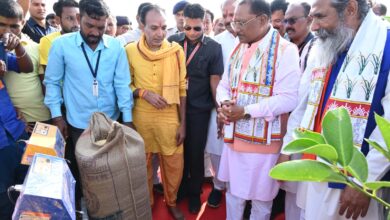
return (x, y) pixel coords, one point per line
(45, 139)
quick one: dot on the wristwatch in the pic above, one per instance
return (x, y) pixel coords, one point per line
(247, 116)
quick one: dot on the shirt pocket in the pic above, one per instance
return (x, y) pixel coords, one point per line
(201, 66)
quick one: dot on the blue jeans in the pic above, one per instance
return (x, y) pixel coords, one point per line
(11, 173)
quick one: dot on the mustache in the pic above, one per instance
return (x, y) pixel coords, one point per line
(324, 34)
(290, 29)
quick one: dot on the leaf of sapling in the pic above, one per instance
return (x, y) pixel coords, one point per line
(384, 127)
(377, 185)
(325, 151)
(358, 166)
(307, 134)
(295, 146)
(337, 130)
(379, 148)
(306, 170)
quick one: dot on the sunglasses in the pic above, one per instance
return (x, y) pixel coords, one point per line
(197, 29)
(292, 21)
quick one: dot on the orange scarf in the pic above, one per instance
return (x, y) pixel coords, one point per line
(169, 53)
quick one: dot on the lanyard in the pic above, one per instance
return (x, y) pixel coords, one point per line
(94, 72)
(193, 52)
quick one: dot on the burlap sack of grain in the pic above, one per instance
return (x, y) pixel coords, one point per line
(111, 160)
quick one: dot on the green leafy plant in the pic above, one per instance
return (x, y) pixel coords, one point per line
(335, 146)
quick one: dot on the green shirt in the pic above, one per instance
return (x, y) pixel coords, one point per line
(25, 89)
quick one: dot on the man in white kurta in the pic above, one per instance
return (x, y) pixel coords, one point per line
(257, 91)
(334, 61)
(228, 40)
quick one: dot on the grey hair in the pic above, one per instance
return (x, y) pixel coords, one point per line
(340, 6)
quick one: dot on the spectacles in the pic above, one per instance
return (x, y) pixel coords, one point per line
(292, 21)
(197, 29)
(241, 24)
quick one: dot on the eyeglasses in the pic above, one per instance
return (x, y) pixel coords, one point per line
(292, 21)
(241, 24)
(197, 29)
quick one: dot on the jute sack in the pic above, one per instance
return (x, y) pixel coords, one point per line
(112, 164)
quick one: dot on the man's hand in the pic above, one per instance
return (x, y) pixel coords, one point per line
(11, 41)
(180, 134)
(156, 100)
(353, 203)
(220, 131)
(130, 125)
(3, 68)
(231, 111)
(62, 126)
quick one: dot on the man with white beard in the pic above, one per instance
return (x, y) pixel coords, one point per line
(347, 31)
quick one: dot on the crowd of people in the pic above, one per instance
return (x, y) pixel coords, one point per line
(209, 93)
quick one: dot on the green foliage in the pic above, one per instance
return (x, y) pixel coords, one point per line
(377, 185)
(358, 166)
(384, 127)
(337, 130)
(335, 146)
(306, 170)
(314, 136)
(325, 151)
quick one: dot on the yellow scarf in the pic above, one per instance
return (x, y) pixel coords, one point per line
(169, 53)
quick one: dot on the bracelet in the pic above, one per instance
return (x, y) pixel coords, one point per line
(140, 93)
(24, 54)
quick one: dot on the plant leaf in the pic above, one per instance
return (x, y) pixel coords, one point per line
(337, 130)
(307, 134)
(384, 127)
(324, 151)
(306, 170)
(378, 147)
(377, 185)
(358, 166)
(295, 146)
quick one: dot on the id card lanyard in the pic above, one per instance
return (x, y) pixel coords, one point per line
(95, 85)
(189, 58)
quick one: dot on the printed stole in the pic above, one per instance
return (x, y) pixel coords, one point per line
(251, 79)
(352, 90)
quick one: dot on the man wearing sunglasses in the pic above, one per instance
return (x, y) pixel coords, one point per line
(256, 93)
(204, 68)
(297, 23)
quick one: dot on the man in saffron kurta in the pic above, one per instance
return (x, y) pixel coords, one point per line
(337, 77)
(158, 82)
(257, 91)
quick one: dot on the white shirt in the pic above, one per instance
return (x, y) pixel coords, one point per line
(130, 36)
(228, 42)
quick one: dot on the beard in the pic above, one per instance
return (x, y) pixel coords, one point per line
(330, 44)
(70, 30)
(90, 39)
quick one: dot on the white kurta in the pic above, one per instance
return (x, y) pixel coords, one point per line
(130, 36)
(213, 144)
(248, 173)
(319, 201)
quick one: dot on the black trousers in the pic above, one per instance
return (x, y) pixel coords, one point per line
(74, 134)
(194, 144)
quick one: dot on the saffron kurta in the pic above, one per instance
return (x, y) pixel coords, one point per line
(157, 127)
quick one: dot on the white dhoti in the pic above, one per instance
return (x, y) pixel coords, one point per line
(322, 203)
(248, 174)
(214, 148)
